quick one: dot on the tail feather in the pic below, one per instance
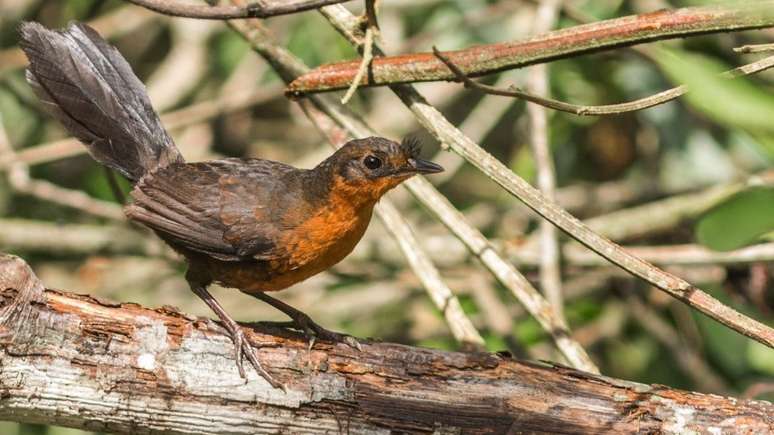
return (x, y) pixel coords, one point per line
(91, 89)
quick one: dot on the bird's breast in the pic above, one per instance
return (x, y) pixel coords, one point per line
(315, 244)
(327, 236)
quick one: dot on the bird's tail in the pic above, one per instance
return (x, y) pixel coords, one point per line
(90, 88)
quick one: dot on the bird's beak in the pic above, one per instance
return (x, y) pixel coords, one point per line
(425, 167)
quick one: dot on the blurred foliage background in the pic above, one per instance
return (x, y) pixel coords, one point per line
(701, 164)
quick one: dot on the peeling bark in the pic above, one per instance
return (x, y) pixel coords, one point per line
(83, 362)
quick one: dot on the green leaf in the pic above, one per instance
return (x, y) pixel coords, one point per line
(229, 49)
(732, 102)
(738, 221)
(761, 357)
(494, 342)
(523, 164)
(724, 346)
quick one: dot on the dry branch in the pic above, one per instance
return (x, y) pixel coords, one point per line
(573, 41)
(257, 9)
(20, 180)
(756, 48)
(665, 214)
(607, 109)
(83, 362)
(546, 15)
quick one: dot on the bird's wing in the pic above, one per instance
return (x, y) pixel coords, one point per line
(215, 208)
(253, 215)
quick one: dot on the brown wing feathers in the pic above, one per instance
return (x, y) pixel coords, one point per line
(181, 202)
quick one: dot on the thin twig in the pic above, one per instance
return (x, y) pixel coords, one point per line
(574, 41)
(537, 83)
(755, 48)
(664, 214)
(607, 109)
(371, 33)
(81, 239)
(444, 299)
(118, 22)
(758, 389)
(446, 133)
(20, 180)
(368, 44)
(259, 9)
(689, 254)
(289, 67)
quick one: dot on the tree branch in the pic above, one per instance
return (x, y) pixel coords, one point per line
(20, 180)
(665, 214)
(258, 9)
(82, 362)
(607, 109)
(486, 59)
(755, 48)
(539, 141)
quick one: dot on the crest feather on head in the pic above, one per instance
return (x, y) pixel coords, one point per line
(411, 146)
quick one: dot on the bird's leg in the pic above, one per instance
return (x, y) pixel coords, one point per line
(302, 322)
(242, 346)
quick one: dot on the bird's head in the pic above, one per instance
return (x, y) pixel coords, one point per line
(368, 168)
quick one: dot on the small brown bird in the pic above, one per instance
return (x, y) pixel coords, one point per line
(251, 224)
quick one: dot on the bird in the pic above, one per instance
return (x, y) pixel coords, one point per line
(251, 224)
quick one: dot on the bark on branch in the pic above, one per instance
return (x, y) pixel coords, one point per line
(82, 362)
(486, 59)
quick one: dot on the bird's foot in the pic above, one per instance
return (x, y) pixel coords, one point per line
(243, 348)
(314, 331)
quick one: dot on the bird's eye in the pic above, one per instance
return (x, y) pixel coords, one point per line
(372, 162)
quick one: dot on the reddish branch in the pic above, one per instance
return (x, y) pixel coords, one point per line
(486, 59)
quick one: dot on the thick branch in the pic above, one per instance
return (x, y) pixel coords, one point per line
(123, 368)
(573, 41)
(258, 9)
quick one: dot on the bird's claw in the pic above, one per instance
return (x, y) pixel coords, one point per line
(243, 348)
(352, 342)
(312, 331)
